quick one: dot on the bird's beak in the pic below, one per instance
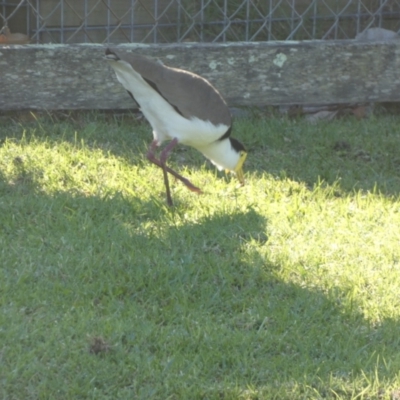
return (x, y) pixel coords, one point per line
(239, 167)
(240, 176)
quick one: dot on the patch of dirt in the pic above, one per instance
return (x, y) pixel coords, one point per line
(98, 346)
(341, 145)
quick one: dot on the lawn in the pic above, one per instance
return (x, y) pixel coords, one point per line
(286, 288)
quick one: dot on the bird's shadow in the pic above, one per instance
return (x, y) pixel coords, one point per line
(292, 346)
(293, 326)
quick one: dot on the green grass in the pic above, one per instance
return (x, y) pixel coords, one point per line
(287, 288)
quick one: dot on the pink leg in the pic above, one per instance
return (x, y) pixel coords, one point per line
(163, 159)
(162, 164)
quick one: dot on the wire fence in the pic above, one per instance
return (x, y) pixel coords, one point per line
(169, 21)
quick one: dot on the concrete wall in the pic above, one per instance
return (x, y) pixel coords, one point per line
(247, 74)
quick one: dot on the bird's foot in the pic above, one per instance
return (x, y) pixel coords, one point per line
(190, 185)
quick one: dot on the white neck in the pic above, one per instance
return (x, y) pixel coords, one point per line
(221, 154)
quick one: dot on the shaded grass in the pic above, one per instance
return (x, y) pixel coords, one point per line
(286, 288)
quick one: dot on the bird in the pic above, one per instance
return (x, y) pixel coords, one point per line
(181, 107)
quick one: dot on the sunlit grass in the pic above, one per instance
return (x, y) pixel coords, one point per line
(287, 288)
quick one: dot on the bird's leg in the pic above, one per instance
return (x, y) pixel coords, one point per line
(150, 153)
(167, 149)
(163, 161)
(167, 189)
(151, 157)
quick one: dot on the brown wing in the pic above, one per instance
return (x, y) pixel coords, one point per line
(190, 94)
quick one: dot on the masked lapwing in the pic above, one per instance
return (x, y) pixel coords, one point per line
(181, 107)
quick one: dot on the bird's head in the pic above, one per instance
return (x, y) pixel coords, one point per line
(242, 154)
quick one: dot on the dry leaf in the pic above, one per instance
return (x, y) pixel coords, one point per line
(360, 112)
(377, 34)
(7, 37)
(321, 115)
